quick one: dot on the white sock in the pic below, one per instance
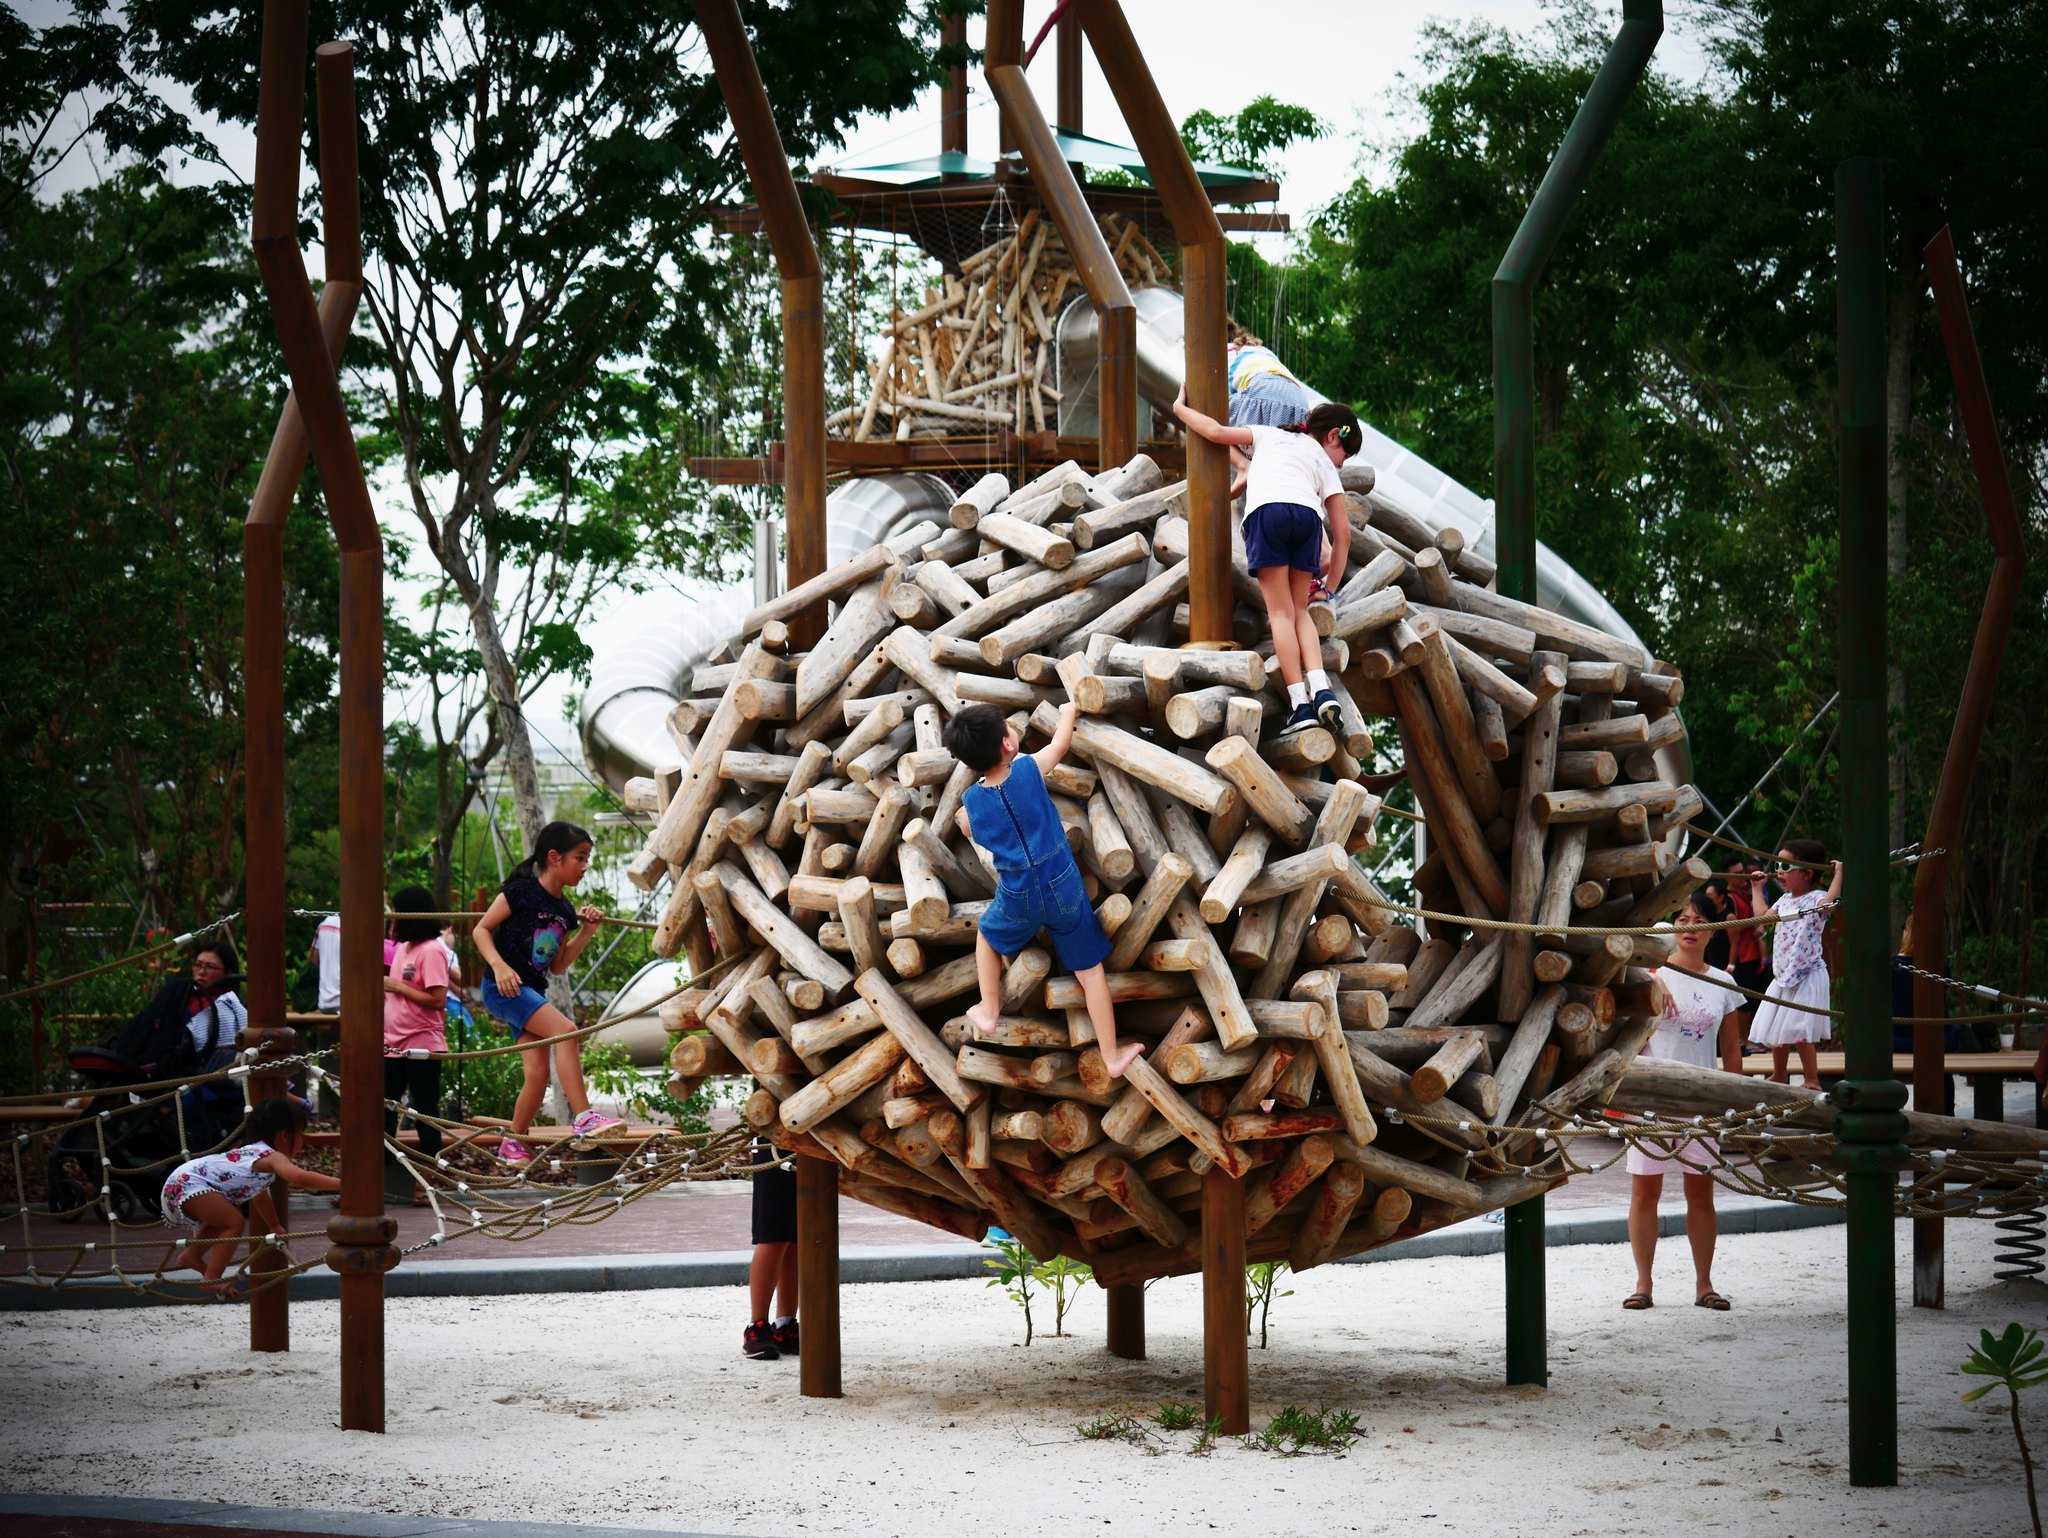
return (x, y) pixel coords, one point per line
(1297, 694)
(784, 1321)
(1318, 681)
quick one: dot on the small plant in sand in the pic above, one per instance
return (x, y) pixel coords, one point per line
(1015, 1272)
(2014, 1361)
(1261, 1288)
(1176, 1415)
(1295, 1432)
(1064, 1278)
(1118, 1426)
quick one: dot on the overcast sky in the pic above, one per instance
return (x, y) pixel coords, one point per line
(1348, 63)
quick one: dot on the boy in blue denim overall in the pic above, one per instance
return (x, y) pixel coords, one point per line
(1009, 813)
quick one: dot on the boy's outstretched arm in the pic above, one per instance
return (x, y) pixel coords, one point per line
(1203, 425)
(1048, 757)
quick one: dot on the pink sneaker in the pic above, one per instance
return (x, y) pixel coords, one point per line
(512, 1151)
(592, 1122)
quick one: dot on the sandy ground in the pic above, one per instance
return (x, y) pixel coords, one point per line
(636, 1409)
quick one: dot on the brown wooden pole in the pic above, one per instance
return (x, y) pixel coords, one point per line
(817, 1275)
(362, 1250)
(1973, 712)
(1203, 280)
(803, 302)
(263, 654)
(953, 94)
(1226, 1360)
(1116, 384)
(1127, 1321)
(1067, 56)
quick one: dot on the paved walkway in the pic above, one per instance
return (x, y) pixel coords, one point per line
(79, 1516)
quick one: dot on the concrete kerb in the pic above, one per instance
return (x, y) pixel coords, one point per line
(516, 1275)
(97, 1513)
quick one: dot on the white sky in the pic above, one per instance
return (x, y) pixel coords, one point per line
(1344, 61)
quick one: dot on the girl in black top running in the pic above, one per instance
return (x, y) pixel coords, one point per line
(529, 934)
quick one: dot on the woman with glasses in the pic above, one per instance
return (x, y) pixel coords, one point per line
(1793, 1015)
(214, 1012)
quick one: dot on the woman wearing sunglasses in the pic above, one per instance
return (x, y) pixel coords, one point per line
(1800, 973)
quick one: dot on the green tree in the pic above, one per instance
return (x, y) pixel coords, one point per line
(140, 390)
(538, 192)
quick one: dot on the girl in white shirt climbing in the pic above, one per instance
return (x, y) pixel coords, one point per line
(1293, 489)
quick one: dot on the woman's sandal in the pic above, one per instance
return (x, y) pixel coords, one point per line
(1637, 1300)
(1713, 1300)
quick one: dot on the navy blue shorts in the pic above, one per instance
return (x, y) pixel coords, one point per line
(1055, 901)
(1283, 534)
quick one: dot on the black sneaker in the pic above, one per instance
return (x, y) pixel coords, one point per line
(784, 1336)
(759, 1343)
(1303, 715)
(1329, 711)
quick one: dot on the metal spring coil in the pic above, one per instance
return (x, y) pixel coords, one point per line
(2021, 1247)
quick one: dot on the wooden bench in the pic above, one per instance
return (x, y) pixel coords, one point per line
(1986, 1071)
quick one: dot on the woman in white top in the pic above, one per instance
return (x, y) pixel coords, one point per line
(1791, 1017)
(1694, 1001)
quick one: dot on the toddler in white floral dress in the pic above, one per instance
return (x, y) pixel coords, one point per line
(205, 1196)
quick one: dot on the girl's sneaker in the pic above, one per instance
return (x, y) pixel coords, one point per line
(593, 1121)
(1303, 715)
(1329, 711)
(512, 1151)
(759, 1342)
(1318, 593)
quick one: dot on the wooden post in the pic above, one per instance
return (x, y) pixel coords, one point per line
(1226, 1360)
(362, 1250)
(817, 1275)
(1127, 1322)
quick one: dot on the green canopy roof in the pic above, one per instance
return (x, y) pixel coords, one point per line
(1077, 149)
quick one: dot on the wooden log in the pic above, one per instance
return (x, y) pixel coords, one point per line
(1459, 990)
(837, 1087)
(1158, 1221)
(909, 653)
(843, 578)
(1238, 763)
(1155, 899)
(1247, 858)
(1106, 745)
(1526, 865)
(1042, 590)
(925, 1048)
(682, 824)
(1185, 1119)
(1273, 1188)
(994, 1190)
(1027, 539)
(1585, 806)
(1433, 1080)
(1322, 1226)
(698, 1057)
(1206, 1062)
(1454, 820)
(1586, 769)
(1213, 979)
(1333, 1055)
(803, 954)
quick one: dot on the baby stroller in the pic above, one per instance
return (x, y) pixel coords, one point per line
(143, 1146)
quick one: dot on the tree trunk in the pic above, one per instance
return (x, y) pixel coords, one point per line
(1900, 333)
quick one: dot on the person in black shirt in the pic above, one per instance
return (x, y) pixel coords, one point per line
(529, 934)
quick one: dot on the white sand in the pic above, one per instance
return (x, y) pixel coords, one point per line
(636, 1409)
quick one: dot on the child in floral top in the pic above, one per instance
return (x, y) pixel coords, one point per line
(1799, 971)
(205, 1196)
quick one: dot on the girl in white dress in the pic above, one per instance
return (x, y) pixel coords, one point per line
(1694, 1002)
(205, 1197)
(1799, 972)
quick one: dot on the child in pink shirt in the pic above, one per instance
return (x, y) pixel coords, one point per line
(415, 1020)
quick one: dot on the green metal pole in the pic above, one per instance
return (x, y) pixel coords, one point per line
(1514, 493)
(1869, 1124)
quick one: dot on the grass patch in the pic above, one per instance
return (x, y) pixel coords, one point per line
(1296, 1432)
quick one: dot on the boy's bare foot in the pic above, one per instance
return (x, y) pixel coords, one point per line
(982, 1017)
(226, 1289)
(1125, 1056)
